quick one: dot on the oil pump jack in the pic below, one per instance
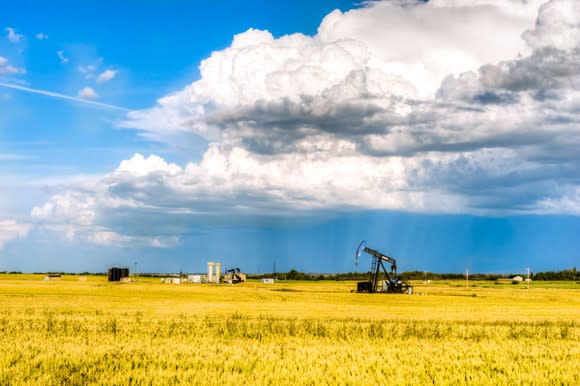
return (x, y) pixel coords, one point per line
(381, 281)
(234, 276)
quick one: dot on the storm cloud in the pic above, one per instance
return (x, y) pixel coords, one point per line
(438, 107)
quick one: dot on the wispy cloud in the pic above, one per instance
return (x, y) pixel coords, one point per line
(89, 70)
(62, 96)
(14, 157)
(10, 229)
(6, 68)
(63, 59)
(13, 36)
(41, 36)
(106, 76)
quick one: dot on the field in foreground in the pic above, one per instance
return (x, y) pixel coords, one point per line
(94, 332)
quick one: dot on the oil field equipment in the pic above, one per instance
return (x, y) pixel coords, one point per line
(381, 280)
(234, 276)
(116, 273)
(213, 277)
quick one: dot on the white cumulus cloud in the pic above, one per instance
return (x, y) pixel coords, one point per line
(365, 56)
(87, 93)
(558, 26)
(130, 199)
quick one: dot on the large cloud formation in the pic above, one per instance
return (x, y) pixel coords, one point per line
(445, 106)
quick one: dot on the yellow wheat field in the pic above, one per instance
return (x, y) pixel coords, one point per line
(94, 332)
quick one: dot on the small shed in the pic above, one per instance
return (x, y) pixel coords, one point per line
(268, 280)
(52, 276)
(194, 279)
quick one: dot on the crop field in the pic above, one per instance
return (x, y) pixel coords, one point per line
(145, 332)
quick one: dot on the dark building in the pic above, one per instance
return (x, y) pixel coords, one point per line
(116, 273)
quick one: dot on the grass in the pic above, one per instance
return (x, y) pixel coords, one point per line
(95, 332)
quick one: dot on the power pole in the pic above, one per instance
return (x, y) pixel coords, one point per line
(467, 277)
(135, 271)
(528, 277)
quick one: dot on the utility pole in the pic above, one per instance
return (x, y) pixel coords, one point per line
(528, 277)
(135, 271)
(467, 277)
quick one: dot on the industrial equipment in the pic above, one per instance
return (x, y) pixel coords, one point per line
(116, 273)
(381, 281)
(213, 277)
(234, 276)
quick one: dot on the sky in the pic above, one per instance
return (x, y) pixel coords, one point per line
(260, 134)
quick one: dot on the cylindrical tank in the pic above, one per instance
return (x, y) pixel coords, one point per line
(210, 272)
(116, 273)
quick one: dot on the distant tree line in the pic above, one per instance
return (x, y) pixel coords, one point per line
(564, 275)
(296, 275)
(422, 275)
(567, 274)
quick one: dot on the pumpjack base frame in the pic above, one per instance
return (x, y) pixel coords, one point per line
(390, 288)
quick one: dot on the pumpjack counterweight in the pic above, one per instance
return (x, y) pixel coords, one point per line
(381, 280)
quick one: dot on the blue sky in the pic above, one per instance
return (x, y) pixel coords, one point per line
(172, 133)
